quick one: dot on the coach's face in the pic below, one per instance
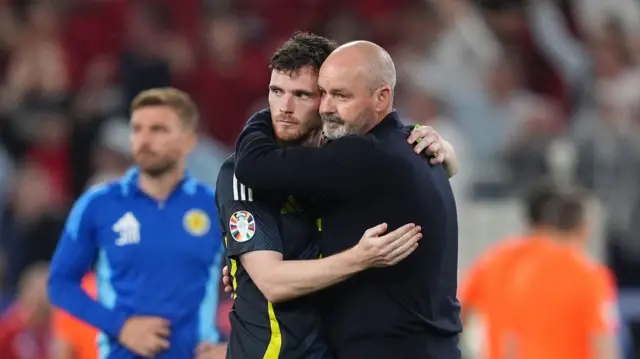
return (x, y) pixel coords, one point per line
(346, 106)
(294, 99)
(160, 140)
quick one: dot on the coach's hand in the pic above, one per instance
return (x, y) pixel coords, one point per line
(378, 250)
(145, 336)
(429, 141)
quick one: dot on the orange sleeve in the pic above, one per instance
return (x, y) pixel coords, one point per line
(472, 285)
(64, 326)
(600, 302)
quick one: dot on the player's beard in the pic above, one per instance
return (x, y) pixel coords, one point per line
(308, 133)
(334, 127)
(158, 169)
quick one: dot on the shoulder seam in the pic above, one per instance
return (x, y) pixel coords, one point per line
(241, 192)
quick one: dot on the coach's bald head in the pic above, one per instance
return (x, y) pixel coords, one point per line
(357, 81)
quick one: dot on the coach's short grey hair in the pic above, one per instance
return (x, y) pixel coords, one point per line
(383, 71)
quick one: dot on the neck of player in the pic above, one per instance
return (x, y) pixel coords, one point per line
(160, 187)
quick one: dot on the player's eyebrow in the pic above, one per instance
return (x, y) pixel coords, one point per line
(303, 92)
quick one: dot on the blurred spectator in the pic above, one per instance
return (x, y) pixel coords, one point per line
(146, 61)
(417, 106)
(231, 76)
(30, 222)
(24, 327)
(504, 121)
(112, 152)
(206, 158)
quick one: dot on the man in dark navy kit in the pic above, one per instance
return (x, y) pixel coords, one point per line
(364, 175)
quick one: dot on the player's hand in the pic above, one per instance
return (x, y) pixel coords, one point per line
(207, 350)
(227, 280)
(145, 336)
(429, 141)
(377, 249)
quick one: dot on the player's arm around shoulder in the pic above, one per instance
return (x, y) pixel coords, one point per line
(427, 140)
(281, 280)
(338, 169)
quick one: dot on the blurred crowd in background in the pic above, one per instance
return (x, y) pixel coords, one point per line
(523, 89)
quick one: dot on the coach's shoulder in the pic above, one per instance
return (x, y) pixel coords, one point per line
(368, 149)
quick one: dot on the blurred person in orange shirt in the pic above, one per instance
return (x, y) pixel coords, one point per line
(73, 338)
(562, 304)
(24, 328)
(481, 293)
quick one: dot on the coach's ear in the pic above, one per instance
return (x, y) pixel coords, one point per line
(382, 98)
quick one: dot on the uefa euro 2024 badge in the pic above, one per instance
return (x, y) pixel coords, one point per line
(242, 226)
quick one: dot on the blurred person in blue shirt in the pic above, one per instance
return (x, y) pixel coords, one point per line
(158, 257)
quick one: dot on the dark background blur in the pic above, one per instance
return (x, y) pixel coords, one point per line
(523, 89)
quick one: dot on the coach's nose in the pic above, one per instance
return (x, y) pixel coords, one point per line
(327, 105)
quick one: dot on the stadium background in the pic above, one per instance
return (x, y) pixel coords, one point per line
(523, 89)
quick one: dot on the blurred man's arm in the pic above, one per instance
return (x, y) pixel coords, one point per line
(74, 255)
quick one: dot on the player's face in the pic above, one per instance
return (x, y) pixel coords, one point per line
(294, 99)
(347, 105)
(159, 139)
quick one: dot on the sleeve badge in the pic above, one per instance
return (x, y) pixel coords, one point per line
(242, 226)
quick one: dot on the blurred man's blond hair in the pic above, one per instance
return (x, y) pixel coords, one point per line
(177, 100)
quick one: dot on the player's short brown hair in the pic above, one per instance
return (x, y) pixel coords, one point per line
(302, 49)
(173, 98)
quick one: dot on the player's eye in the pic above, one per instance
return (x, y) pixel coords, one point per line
(302, 95)
(159, 129)
(277, 92)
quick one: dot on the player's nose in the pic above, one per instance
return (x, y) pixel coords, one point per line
(287, 105)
